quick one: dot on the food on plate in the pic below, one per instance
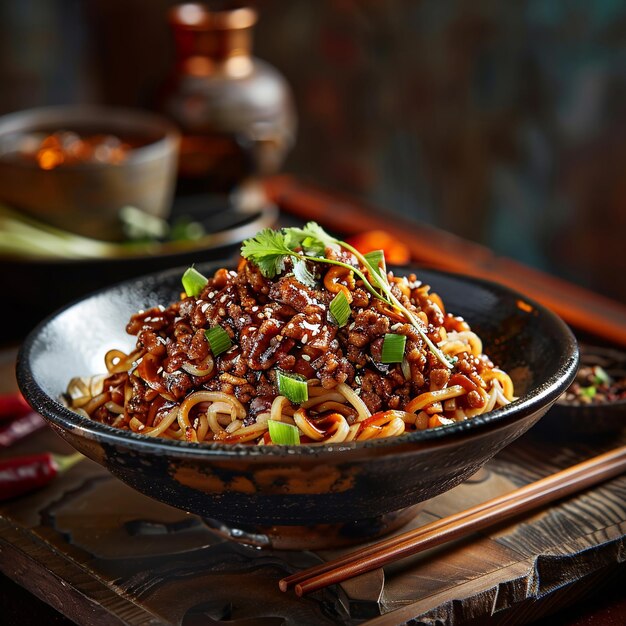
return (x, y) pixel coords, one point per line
(596, 383)
(308, 341)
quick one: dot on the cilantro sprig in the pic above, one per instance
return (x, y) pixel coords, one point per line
(269, 249)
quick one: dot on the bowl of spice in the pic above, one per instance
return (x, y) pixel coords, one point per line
(595, 402)
(79, 168)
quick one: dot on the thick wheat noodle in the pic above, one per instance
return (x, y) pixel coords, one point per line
(350, 395)
(381, 425)
(196, 397)
(166, 421)
(329, 396)
(339, 427)
(214, 425)
(202, 426)
(338, 407)
(117, 361)
(200, 370)
(171, 361)
(114, 407)
(352, 431)
(234, 426)
(248, 433)
(276, 411)
(503, 378)
(96, 402)
(428, 397)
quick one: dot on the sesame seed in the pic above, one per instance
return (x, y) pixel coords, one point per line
(255, 309)
(306, 357)
(305, 338)
(351, 327)
(223, 299)
(212, 294)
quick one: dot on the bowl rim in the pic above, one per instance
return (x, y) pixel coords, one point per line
(532, 401)
(219, 240)
(143, 120)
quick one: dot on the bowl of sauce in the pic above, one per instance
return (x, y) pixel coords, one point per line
(77, 168)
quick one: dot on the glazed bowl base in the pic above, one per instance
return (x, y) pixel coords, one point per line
(315, 536)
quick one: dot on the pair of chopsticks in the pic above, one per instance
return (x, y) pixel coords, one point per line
(563, 483)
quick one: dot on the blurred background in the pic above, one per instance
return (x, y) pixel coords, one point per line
(501, 122)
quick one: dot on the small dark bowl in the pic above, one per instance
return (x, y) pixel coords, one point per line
(290, 496)
(44, 285)
(568, 420)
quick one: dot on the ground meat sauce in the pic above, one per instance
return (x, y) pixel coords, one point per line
(282, 323)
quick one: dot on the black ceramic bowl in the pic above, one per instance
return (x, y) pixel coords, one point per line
(569, 419)
(285, 495)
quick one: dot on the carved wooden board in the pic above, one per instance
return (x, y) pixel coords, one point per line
(99, 552)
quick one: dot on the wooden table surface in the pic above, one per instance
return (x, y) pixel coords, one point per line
(98, 552)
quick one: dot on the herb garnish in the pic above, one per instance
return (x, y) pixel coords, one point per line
(269, 249)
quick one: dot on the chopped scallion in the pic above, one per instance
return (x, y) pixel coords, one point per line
(340, 309)
(600, 377)
(393, 348)
(590, 392)
(193, 282)
(376, 258)
(218, 339)
(283, 434)
(293, 387)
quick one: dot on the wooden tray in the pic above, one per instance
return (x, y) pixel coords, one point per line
(99, 552)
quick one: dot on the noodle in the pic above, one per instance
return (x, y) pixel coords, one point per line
(177, 383)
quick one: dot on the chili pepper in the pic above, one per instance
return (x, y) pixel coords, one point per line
(19, 428)
(13, 405)
(21, 475)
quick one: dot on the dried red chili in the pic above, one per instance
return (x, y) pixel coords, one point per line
(19, 428)
(23, 474)
(13, 405)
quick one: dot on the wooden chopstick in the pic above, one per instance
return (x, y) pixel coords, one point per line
(563, 483)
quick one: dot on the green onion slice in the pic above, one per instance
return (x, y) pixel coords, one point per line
(393, 348)
(218, 339)
(340, 309)
(193, 282)
(600, 377)
(293, 387)
(283, 434)
(590, 392)
(376, 258)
